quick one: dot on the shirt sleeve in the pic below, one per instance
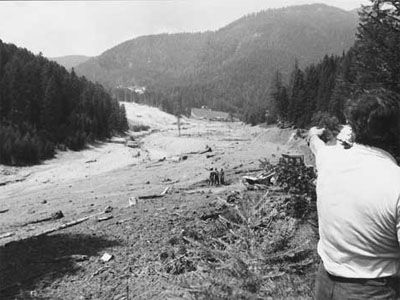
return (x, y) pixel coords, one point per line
(398, 220)
(316, 144)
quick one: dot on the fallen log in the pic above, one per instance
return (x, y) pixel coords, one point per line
(153, 166)
(150, 197)
(4, 211)
(76, 222)
(101, 219)
(22, 178)
(6, 235)
(165, 191)
(206, 151)
(237, 167)
(235, 140)
(62, 226)
(191, 192)
(11, 181)
(72, 257)
(59, 227)
(261, 179)
(248, 171)
(57, 215)
(116, 140)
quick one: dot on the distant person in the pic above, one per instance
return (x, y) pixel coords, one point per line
(211, 180)
(358, 200)
(222, 177)
(216, 177)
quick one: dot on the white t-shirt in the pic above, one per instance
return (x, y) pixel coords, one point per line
(358, 200)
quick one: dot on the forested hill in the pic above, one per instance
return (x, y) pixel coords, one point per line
(246, 50)
(228, 69)
(70, 61)
(163, 60)
(320, 93)
(42, 106)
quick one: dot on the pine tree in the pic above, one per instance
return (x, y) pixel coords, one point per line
(310, 95)
(51, 112)
(278, 105)
(122, 119)
(42, 105)
(297, 95)
(377, 46)
(327, 78)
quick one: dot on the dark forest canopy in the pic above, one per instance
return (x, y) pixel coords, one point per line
(317, 91)
(42, 107)
(372, 63)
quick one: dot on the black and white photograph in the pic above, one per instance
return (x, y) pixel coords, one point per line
(200, 149)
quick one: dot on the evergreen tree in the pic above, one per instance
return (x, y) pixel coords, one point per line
(51, 112)
(297, 95)
(122, 119)
(42, 106)
(327, 79)
(377, 46)
(312, 81)
(278, 105)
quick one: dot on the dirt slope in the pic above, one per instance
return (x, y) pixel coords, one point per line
(84, 183)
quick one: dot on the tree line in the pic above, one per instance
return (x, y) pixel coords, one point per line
(321, 90)
(307, 95)
(43, 107)
(229, 69)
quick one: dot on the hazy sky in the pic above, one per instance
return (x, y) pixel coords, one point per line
(91, 27)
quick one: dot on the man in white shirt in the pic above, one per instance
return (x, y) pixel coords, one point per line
(358, 200)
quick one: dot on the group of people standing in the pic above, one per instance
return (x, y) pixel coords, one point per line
(216, 177)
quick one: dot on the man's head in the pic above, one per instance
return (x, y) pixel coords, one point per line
(374, 117)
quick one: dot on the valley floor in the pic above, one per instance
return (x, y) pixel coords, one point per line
(84, 183)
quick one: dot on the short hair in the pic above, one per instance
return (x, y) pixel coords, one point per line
(374, 117)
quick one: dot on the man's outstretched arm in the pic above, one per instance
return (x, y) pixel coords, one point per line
(315, 143)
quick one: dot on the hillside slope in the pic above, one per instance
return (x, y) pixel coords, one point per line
(44, 107)
(246, 51)
(70, 61)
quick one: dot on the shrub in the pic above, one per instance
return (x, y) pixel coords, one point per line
(138, 127)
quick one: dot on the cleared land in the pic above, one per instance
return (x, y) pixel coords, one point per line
(66, 264)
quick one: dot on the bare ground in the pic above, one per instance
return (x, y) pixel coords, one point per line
(67, 265)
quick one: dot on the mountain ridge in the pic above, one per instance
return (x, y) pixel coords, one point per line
(70, 61)
(233, 65)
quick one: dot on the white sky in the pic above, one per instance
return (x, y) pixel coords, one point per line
(91, 27)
